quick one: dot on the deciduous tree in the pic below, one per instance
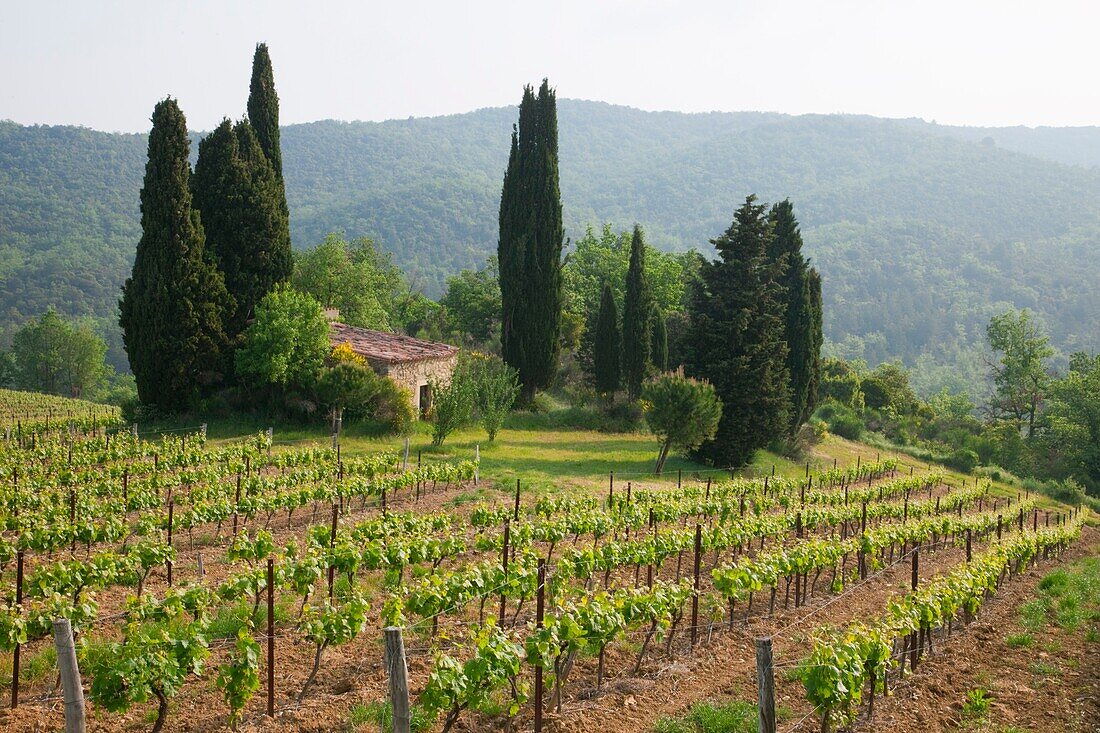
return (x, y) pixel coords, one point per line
(52, 355)
(682, 412)
(287, 344)
(1020, 375)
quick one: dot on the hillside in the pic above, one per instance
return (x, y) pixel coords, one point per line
(921, 231)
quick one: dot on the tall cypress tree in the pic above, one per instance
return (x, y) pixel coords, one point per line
(658, 340)
(637, 310)
(263, 107)
(238, 195)
(735, 338)
(816, 338)
(798, 327)
(174, 302)
(529, 248)
(605, 354)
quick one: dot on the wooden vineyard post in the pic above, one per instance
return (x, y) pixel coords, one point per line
(913, 648)
(168, 562)
(540, 605)
(271, 636)
(515, 509)
(610, 489)
(765, 685)
(695, 585)
(70, 676)
(863, 531)
(999, 521)
(477, 462)
(679, 477)
(653, 529)
(15, 651)
(968, 545)
(398, 674)
(72, 519)
(332, 544)
(237, 503)
(504, 566)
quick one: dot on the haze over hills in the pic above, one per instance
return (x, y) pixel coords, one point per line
(921, 231)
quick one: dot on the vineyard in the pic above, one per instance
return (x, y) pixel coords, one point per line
(244, 585)
(33, 413)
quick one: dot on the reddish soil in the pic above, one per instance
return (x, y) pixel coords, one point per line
(720, 666)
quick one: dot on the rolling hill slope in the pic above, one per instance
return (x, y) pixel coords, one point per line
(921, 231)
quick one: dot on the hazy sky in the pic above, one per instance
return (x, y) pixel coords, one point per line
(105, 64)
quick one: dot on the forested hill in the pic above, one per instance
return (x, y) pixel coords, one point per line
(921, 231)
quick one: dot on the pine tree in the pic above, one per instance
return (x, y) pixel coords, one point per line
(238, 195)
(735, 339)
(658, 340)
(637, 310)
(263, 108)
(173, 305)
(605, 356)
(529, 248)
(802, 354)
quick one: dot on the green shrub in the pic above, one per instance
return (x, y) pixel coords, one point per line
(542, 404)
(1067, 491)
(846, 426)
(996, 473)
(963, 460)
(841, 419)
(392, 407)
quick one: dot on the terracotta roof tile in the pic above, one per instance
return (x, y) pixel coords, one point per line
(387, 347)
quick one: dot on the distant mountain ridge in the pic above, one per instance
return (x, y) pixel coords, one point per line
(921, 231)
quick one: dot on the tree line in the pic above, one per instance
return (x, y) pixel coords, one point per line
(213, 244)
(753, 315)
(1036, 426)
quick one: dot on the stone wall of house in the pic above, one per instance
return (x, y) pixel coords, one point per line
(412, 375)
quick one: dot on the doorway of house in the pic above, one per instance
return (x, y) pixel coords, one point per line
(425, 400)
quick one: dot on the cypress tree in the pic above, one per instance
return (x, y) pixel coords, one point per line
(659, 340)
(605, 356)
(529, 248)
(238, 195)
(637, 310)
(798, 327)
(263, 108)
(816, 339)
(735, 338)
(174, 302)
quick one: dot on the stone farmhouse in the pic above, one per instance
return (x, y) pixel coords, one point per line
(408, 361)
